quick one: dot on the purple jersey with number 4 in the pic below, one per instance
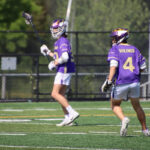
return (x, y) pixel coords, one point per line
(63, 45)
(129, 61)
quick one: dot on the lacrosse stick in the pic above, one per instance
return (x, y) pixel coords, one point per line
(28, 20)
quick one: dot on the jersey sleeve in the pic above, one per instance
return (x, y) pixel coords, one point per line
(141, 59)
(113, 54)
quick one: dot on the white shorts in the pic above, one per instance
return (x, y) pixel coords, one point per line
(124, 91)
(62, 78)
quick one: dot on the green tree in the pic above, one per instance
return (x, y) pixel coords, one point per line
(105, 15)
(11, 20)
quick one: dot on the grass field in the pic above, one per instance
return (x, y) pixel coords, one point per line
(31, 126)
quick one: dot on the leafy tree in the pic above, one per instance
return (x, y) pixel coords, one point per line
(11, 20)
(105, 15)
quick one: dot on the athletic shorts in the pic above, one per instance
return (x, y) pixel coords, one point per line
(62, 78)
(125, 91)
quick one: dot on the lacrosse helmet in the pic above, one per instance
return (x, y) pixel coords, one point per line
(58, 28)
(119, 35)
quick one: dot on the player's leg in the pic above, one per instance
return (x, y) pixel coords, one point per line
(66, 114)
(60, 84)
(115, 105)
(140, 115)
(70, 113)
(118, 94)
(134, 95)
(62, 92)
(58, 96)
(139, 111)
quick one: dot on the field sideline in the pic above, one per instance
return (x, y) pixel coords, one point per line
(31, 126)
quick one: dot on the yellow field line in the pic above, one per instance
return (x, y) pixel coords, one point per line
(45, 116)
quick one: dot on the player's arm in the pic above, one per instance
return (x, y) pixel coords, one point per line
(143, 67)
(63, 59)
(108, 82)
(112, 70)
(46, 51)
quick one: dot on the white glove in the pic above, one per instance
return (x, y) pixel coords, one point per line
(44, 50)
(106, 85)
(51, 66)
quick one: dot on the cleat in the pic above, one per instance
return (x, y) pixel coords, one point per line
(123, 130)
(74, 115)
(63, 123)
(146, 132)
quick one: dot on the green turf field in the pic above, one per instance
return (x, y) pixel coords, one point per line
(31, 126)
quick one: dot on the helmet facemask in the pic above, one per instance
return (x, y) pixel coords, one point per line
(119, 35)
(58, 28)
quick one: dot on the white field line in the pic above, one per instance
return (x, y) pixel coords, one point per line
(103, 132)
(27, 120)
(24, 121)
(48, 147)
(50, 119)
(138, 131)
(43, 109)
(21, 110)
(67, 133)
(77, 133)
(18, 110)
(13, 134)
(113, 125)
(82, 133)
(15, 120)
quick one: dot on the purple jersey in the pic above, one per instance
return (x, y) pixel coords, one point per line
(63, 45)
(129, 61)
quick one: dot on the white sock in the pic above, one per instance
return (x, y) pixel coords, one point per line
(66, 115)
(69, 109)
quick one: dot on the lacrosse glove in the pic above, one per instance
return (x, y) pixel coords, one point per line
(106, 85)
(45, 50)
(51, 66)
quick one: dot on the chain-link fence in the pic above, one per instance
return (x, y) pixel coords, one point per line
(32, 81)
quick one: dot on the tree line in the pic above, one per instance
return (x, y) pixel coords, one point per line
(86, 15)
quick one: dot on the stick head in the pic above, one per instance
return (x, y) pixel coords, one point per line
(28, 18)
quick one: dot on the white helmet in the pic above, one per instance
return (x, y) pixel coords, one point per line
(58, 28)
(120, 34)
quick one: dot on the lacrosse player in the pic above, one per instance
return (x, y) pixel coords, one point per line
(64, 67)
(126, 64)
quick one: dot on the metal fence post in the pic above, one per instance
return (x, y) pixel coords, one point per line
(149, 62)
(76, 73)
(3, 96)
(37, 78)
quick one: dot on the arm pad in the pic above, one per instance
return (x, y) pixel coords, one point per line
(113, 63)
(64, 58)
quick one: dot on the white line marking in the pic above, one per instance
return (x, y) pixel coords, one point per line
(138, 131)
(27, 120)
(51, 109)
(93, 108)
(43, 109)
(118, 125)
(48, 147)
(12, 134)
(146, 108)
(103, 132)
(19, 110)
(68, 133)
(49, 119)
(15, 120)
